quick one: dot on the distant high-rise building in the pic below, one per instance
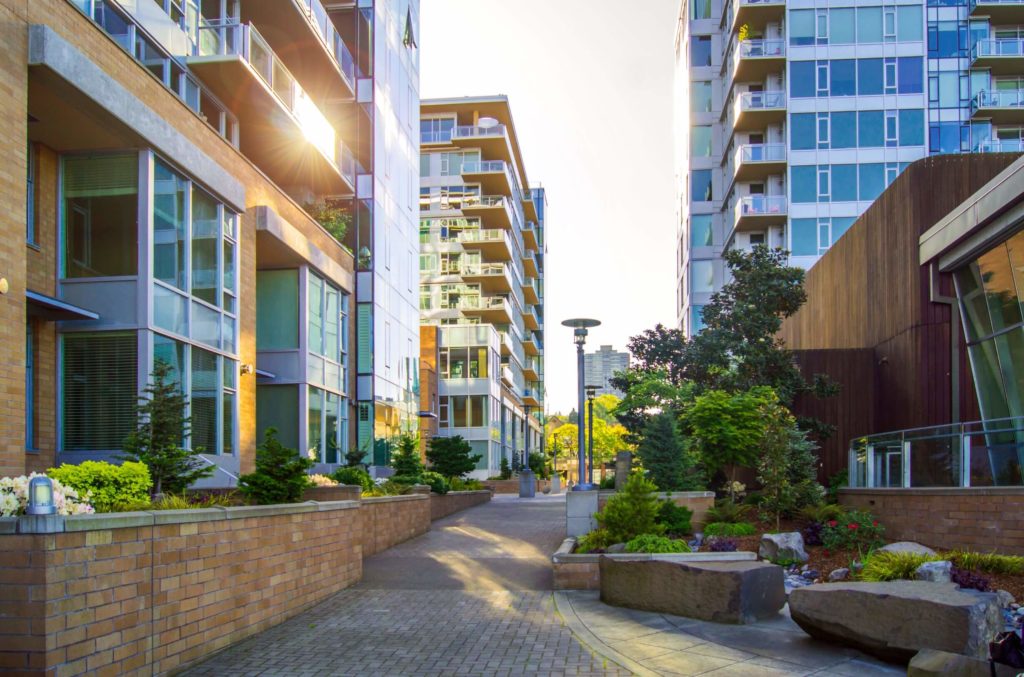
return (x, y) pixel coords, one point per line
(601, 365)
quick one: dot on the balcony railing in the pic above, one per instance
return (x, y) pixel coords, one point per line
(481, 269)
(317, 15)
(229, 38)
(753, 49)
(998, 47)
(755, 101)
(761, 205)
(483, 166)
(1000, 146)
(978, 454)
(484, 303)
(760, 152)
(484, 235)
(476, 132)
(998, 98)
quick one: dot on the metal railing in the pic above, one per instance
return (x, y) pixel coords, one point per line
(761, 205)
(753, 49)
(483, 269)
(485, 201)
(760, 152)
(753, 101)
(998, 47)
(484, 167)
(978, 453)
(485, 235)
(1000, 146)
(318, 17)
(998, 98)
(439, 136)
(475, 131)
(484, 303)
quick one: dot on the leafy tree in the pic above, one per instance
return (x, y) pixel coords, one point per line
(647, 393)
(787, 468)
(666, 457)
(406, 460)
(632, 511)
(539, 465)
(451, 456)
(280, 475)
(608, 439)
(604, 408)
(160, 427)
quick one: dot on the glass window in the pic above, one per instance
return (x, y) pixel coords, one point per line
(841, 224)
(205, 391)
(702, 276)
(911, 123)
(315, 325)
(890, 128)
(700, 9)
(944, 39)
(801, 79)
(870, 128)
(824, 183)
(844, 183)
(700, 97)
(869, 24)
(700, 50)
(700, 230)
(696, 319)
(872, 180)
(802, 131)
(821, 36)
(842, 26)
(700, 141)
(909, 23)
(844, 130)
(996, 275)
(823, 130)
(869, 76)
(821, 78)
(804, 180)
(889, 81)
(944, 137)
(277, 309)
(30, 194)
(804, 237)
(100, 216)
(843, 77)
(700, 185)
(277, 406)
(977, 321)
(315, 421)
(801, 27)
(205, 241)
(911, 74)
(99, 390)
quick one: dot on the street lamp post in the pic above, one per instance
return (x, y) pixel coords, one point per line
(591, 394)
(580, 327)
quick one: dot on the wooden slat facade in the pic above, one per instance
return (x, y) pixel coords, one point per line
(869, 321)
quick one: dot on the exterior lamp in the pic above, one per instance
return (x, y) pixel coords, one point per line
(579, 337)
(591, 394)
(40, 496)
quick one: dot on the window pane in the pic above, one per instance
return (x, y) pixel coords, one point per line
(871, 128)
(205, 390)
(100, 216)
(869, 76)
(844, 183)
(700, 50)
(314, 421)
(802, 79)
(332, 347)
(869, 24)
(171, 353)
(205, 241)
(697, 318)
(278, 407)
(277, 309)
(700, 9)
(170, 310)
(872, 180)
(169, 226)
(999, 287)
(844, 130)
(843, 77)
(700, 230)
(459, 414)
(802, 132)
(841, 26)
(911, 127)
(911, 75)
(804, 179)
(99, 388)
(805, 237)
(228, 437)
(700, 97)
(702, 276)
(315, 325)
(332, 419)
(840, 224)
(700, 141)
(205, 325)
(700, 185)
(909, 23)
(801, 27)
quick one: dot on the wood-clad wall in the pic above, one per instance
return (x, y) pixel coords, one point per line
(868, 321)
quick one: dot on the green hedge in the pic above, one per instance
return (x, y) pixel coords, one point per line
(109, 486)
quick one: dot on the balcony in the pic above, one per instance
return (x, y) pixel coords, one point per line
(531, 397)
(489, 309)
(530, 320)
(756, 110)
(282, 130)
(508, 376)
(1002, 106)
(754, 60)
(506, 343)
(1002, 56)
(529, 208)
(530, 344)
(493, 176)
(758, 161)
(494, 211)
(492, 141)
(492, 277)
(323, 63)
(756, 212)
(530, 292)
(753, 13)
(530, 266)
(1000, 146)
(531, 369)
(530, 240)
(493, 244)
(1000, 12)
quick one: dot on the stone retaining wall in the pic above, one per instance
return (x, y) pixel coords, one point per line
(390, 520)
(342, 492)
(454, 501)
(983, 519)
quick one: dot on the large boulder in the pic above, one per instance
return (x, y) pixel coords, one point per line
(723, 592)
(936, 572)
(787, 547)
(907, 546)
(895, 620)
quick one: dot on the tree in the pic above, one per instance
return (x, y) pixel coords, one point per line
(280, 475)
(632, 511)
(160, 427)
(648, 392)
(665, 455)
(406, 460)
(604, 408)
(451, 456)
(787, 469)
(539, 465)
(608, 440)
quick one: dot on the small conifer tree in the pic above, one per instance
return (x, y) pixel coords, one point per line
(632, 511)
(665, 456)
(280, 475)
(406, 460)
(452, 456)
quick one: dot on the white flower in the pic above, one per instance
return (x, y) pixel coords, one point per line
(322, 481)
(14, 497)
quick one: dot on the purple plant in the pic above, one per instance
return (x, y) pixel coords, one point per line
(970, 580)
(723, 545)
(812, 533)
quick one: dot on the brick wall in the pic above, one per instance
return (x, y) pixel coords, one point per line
(388, 520)
(984, 519)
(454, 501)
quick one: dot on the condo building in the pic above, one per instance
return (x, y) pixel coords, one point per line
(792, 118)
(482, 277)
(225, 186)
(601, 365)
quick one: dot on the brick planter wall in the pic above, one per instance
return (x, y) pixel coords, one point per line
(502, 486)
(454, 501)
(983, 519)
(389, 520)
(342, 492)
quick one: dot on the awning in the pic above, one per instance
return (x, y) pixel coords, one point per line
(262, 373)
(49, 308)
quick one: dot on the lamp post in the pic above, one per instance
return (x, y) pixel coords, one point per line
(580, 326)
(591, 394)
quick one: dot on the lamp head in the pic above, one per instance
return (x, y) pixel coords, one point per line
(40, 496)
(580, 326)
(591, 391)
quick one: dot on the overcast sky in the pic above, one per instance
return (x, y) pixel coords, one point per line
(590, 86)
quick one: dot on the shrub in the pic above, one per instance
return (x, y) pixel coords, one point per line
(280, 475)
(883, 566)
(353, 476)
(406, 460)
(598, 539)
(14, 497)
(823, 513)
(730, 529)
(970, 580)
(438, 484)
(990, 563)
(836, 482)
(812, 533)
(608, 482)
(107, 485)
(454, 457)
(539, 465)
(322, 481)
(728, 512)
(858, 530)
(675, 518)
(459, 484)
(506, 471)
(654, 543)
(667, 458)
(723, 545)
(632, 511)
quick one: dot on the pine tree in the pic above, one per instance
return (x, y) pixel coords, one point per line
(632, 511)
(280, 475)
(451, 456)
(406, 460)
(161, 425)
(665, 456)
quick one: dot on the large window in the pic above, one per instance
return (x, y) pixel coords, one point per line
(847, 25)
(700, 186)
(30, 194)
(700, 97)
(849, 77)
(702, 276)
(327, 426)
(700, 141)
(813, 237)
(327, 334)
(701, 233)
(700, 50)
(100, 216)
(464, 411)
(464, 362)
(852, 129)
(842, 183)
(277, 309)
(99, 387)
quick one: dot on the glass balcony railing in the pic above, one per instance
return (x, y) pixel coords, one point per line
(761, 205)
(485, 201)
(1000, 146)
(752, 49)
(484, 303)
(317, 16)
(482, 269)
(998, 98)
(755, 101)
(975, 3)
(229, 38)
(476, 132)
(484, 166)
(760, 152)
(975, 454)
(994, 47)
(484, 235)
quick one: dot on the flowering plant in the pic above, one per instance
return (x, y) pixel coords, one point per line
(322, 481)
(14, 497)
(857, 530)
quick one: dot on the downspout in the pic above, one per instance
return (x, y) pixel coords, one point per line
(954, 339)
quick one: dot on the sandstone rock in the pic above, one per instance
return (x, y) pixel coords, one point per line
(931, 663)
(907, 546)
(615, 548)
(839, 575)
(936, 572)
(1006, 599)
(787, 546)
(723, 592)
(895, 620)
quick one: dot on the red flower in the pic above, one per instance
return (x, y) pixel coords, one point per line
(832, 523)
(875, 523)
(853, 525)
(826, 553)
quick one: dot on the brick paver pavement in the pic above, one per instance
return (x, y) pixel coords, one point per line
(471, 597)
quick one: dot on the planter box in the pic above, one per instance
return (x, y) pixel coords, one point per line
(342, 492)
(583, 572)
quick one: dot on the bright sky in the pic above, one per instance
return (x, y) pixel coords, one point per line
(590, 85)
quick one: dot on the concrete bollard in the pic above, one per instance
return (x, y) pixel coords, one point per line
(527, 484)
(623, 464)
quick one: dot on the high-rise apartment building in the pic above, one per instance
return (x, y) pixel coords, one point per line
(482, 277)
(792, 118)
(227, 187)
(601, 365)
